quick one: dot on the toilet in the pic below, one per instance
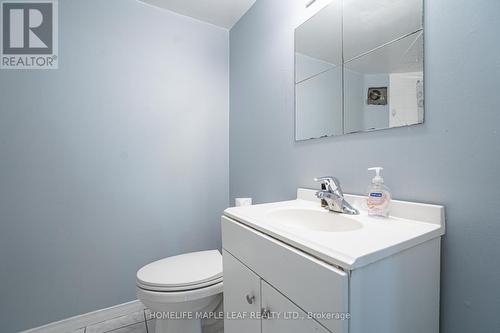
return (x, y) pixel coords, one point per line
(178, 288)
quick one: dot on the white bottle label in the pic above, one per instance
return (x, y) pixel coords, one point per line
(378, 203)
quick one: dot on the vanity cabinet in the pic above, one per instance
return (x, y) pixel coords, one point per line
(271, 287)
(242, 297)
(284, 316)
(309, 285)
(255, 306)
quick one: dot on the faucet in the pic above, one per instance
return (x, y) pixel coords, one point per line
(334, 196)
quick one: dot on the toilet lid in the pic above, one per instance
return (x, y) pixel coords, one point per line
(183, 271)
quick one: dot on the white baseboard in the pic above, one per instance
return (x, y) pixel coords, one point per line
(72, 324)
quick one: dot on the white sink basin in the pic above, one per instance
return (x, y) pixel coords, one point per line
(313, 220)
(349, 241)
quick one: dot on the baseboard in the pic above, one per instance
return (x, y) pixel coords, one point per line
(74, 323)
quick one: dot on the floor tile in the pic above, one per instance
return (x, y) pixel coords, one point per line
(116, 323)
(135, 328)
(213, 327)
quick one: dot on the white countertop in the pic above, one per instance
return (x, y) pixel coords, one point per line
(409, 225)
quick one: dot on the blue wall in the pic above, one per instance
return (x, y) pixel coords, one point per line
(453, 159)
(118, 158)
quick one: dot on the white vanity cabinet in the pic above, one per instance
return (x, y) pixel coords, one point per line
(306, 285)
(255, 306)
(242, 299)
(382, 277)
(282, 316)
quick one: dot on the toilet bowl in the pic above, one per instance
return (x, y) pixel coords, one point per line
(180, 290)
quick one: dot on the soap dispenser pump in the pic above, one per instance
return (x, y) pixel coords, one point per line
(379, 195)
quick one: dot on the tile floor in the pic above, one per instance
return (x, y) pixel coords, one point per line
(139, 322)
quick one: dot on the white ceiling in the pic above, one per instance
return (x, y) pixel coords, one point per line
(223, 13)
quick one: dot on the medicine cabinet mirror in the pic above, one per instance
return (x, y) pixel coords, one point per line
(359, 66)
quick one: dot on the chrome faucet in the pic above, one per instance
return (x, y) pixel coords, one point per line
(334, 197)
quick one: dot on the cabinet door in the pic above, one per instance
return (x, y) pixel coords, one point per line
(291, 271)
(280, 315)
(242, 301)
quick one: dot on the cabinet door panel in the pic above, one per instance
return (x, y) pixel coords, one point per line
(308, 282)
(241, 297)
(285, 317)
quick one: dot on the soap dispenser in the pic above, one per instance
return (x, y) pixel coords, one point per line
(379, 195)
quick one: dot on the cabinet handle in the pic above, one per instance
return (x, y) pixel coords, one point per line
(266, 313)
(250, 298)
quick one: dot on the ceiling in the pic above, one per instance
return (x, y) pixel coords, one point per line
(223, 13)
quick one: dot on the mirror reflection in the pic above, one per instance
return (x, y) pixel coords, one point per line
(361, 70)
(369, 24)
(318, 75)
(384, 88)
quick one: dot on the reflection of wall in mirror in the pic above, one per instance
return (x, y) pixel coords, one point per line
(318, 95)
(405, 94)
(359, 115)
(353, 101)
(306, 66)
(375, 116)
(406, 99)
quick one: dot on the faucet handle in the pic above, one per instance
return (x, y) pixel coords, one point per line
(332, 183)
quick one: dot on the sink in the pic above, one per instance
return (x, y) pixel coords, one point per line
(313, 220)
(349, 241)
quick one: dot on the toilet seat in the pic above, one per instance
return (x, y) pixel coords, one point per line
(179, 296)
(179, 288)
(186, 272)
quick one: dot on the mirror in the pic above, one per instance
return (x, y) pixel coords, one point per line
(318, 75)
(383, 64)
(380, 46)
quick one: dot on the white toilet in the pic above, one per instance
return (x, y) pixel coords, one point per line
(175, 289)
